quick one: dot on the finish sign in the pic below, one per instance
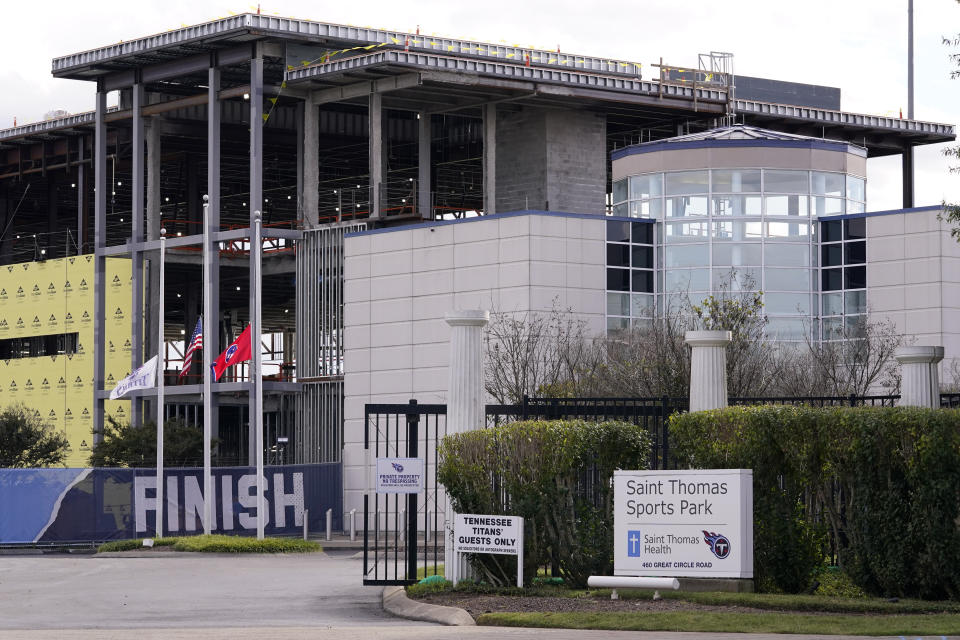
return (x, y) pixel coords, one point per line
(696, 523)
(489, 534)
(399, 475)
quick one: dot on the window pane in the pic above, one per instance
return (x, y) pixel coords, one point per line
(786, 303)
(855, 278)
(685, 206)
(642, 305)
(648, 186)
(833, 328)
(618, 231)
(832, 255)
(737, 279)
(642, 232)
(618, 279)
(736, 180)
(854, 252)
(799, 231)
(856, 188)
(642, 281)
(832, 304)
(736, 255)
(830, 279)
(679, 183)
(785, 182)
(855, 229)
(696, 255)
(687, 280)
(617, 324)
(618, 255)
(620, 190)
(642, 257)
(621, 210)
(786, 255)
(786, 328)
(737, 205)
(646, 208)
(827, 206)
(786, 280)
(736, 230)
(855, 301)
(827, 184)
(855, 207)
(787, 206)
(687, 231)
(831, 231)
(618, 304)
(855, 326)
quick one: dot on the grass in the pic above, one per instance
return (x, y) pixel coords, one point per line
(710, 622)
(429, 571)
(219, 544)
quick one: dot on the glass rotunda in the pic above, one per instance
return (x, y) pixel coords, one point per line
(741, 207)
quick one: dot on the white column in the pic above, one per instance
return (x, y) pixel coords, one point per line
(465, 399)
(920, 380)
(708, 369)
(465, 403)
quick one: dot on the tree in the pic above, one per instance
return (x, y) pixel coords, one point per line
(123, 445)
(25, 441)
(951, 212)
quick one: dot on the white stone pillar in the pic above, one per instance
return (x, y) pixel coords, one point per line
(465, 399)
(465, 404)
(920, 380)
(708, 369)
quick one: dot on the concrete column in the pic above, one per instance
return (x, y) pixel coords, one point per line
(708, 369)
(465, 399)
(375, 152)
(311, 164)
(920, 380)
(100, 260)
(489, 159)
(424, 203)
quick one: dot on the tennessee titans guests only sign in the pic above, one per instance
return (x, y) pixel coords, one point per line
(695, 523)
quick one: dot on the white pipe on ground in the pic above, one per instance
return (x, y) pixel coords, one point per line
(632, 582)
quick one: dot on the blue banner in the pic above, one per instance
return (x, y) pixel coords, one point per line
(95, 505)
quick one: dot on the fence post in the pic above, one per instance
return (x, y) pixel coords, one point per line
(665, 433)
(852, 400)
(526, 407)
(413, 435)
(329, 533)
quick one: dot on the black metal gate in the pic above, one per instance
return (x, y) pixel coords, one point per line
(403, 532)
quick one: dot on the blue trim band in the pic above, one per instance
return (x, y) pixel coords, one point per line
(497, 216)
(652, 147)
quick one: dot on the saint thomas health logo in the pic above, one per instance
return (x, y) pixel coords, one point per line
(718, 543)
(633, 543)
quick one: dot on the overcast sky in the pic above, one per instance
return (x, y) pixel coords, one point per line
(857, 45)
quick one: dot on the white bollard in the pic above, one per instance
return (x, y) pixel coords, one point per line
(353, 525)
(708, 369)
(306, 520)
(920, 380)
(329, 524)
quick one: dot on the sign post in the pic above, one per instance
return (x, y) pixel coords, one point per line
(696, 523)
(502, 535)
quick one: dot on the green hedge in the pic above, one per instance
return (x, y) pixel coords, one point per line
(557, 476)
(882, 483)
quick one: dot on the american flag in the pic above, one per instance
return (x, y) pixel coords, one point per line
(196, 342)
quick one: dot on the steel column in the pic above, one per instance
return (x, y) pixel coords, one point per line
(99, 261)
(311, 163)
(152, 136)
(81, 193)
(208, 523)
(256, 205)
(424, 147)
(375, 152)
(489, 159)
(136, 237)
(907, 166)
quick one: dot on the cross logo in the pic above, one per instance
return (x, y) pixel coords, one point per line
(633, 543)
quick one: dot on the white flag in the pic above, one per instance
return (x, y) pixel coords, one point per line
(143, 377)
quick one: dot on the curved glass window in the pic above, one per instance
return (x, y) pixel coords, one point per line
(734, 205)
(681, 183)
(687, 280)
(737, 230)
(686, 231)
(686, 206)
(827, 184)
(787, 205)
(736, 180)
(696, 255)
(736, 255)
(646, 186)
(778, 181)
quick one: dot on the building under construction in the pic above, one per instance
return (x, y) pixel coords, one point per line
(336, 132)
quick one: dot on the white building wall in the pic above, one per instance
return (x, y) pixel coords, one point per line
(913, 279)
(399, 283)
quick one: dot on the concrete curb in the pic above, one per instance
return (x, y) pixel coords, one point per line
(395, 601)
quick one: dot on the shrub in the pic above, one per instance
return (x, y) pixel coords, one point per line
(884, 481)
(219, 544)
(557, 476)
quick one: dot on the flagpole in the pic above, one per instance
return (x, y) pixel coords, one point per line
(160, 370)
(208, 326)
(256, 246)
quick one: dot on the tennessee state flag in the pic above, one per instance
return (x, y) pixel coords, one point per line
(238, 351)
